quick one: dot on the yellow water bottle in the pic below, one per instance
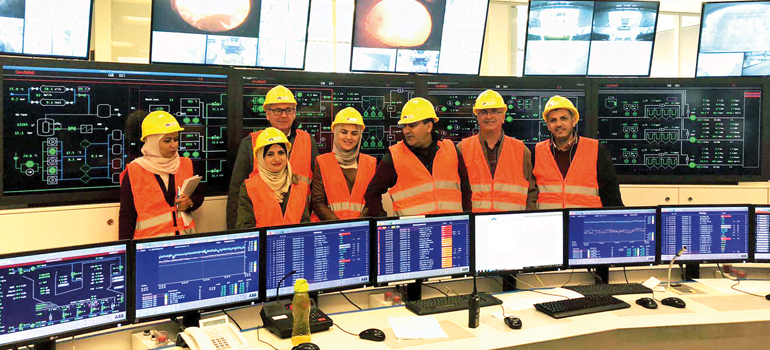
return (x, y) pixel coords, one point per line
(300, 310)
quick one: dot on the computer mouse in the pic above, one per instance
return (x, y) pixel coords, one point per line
(306, 346)
(647, 303)
(674, 301)
(513, 322)
(767, 297)
(372, 334)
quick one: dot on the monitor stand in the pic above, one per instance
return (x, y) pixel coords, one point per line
(47, 345)
(191, 319)
(509, 283)
(602, 274)
(414, 291)
(691, 272)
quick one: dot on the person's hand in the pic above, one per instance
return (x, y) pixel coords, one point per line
(184, 202)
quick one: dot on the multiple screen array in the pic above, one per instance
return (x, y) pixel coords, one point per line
(69, 290)
(73, 126)
(595, 38)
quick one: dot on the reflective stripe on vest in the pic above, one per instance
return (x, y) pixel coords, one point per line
(267, 210)
(154, 217)
(344, 203)
(300, 160)
(580, 188)
(508, 190)
(418, 191)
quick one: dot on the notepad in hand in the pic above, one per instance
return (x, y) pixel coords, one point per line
(189, 185)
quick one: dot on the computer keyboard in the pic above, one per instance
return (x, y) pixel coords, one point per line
(611, 289)
(581, 306)
(447, 304)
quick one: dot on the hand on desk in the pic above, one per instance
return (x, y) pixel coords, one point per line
(183, 202)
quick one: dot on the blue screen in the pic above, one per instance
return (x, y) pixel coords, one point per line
(60, 292)
(622, 236)
(422, 248)
(709, 233)
(762, 248)
(328, 256)
(194, 273)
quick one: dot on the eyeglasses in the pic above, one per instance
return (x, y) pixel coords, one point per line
(485, 112)
(279, 111)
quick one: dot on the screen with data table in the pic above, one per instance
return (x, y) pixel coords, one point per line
(517, 242)
(710, 233)
(329, 257)
(762, 242)
(612, 236)
(414, 248)
(689, 129)
(526, 99)
(206, 272)
(320, 97)
(72, 129)
(62, 291)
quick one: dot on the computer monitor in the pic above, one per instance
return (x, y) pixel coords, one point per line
(189, 274)
(422, 247)
(762, 234)
(527, 241)
(612, 237)
(51, 28)
(252, 33)
(62, 292)
(329, 256)
(455, 96)
(683, 130)
(710, 233)
(732, 40)
(379, 98)
(418, 36)
(72, 127)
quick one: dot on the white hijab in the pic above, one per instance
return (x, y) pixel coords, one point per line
(153, 161)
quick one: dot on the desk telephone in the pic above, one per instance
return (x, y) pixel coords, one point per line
(215, 333)
(278, 320)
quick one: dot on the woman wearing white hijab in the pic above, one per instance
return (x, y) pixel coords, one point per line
(149, 198)
(273, 196)
(341, 177)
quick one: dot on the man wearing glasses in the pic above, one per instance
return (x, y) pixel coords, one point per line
(281, 111)
(499, 167)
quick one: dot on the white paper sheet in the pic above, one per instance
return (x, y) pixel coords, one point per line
(416, 327)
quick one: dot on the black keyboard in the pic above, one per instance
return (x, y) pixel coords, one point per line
(581, 306)
(447, 304)
(611, 289)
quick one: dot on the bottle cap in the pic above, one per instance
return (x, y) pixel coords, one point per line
(300, 286)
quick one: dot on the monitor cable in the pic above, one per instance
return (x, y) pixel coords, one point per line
(447, 287)
(738, 281)
(262, 341)
(539, 280)
(439, 290)
(338, 326)
(232, 319)
(625, 275)
(350, 301)
(534, 289)
(571, 271)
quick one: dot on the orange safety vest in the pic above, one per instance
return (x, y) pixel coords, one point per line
(343, 203)
(580, 189)
(508, 190)
(300, 160)
(152, 211)
(267, 210)
(417, 192)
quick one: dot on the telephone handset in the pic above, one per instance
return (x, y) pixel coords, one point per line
(215, 333)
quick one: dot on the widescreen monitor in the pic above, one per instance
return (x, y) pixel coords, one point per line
(710, 233)
(175, 275)
(422, 247)
(62, 292)
(762, 233)
(612, 236)
(518, 242)
(54, 28)
(329, 256)
(252, 33)
(419, 36)
(734, 40)
(609, 38)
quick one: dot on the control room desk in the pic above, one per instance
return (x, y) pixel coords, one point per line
(718, 319)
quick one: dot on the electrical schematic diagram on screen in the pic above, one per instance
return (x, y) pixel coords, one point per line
(76, 129)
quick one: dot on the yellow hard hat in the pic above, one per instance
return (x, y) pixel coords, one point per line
(271, 136)
(279, 94)
(159, 123)
(417, 109)
(489, 99)
(558, 102)
(349, 116)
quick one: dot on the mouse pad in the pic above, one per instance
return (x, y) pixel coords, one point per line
(530, 318)
(452, 330)
(735, 303)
